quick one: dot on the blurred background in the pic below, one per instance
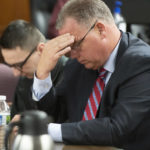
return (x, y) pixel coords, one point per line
(39, 12)
(36, 11)
(137, 16)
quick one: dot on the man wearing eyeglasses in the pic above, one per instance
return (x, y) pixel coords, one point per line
(21, 47)
(104, 98)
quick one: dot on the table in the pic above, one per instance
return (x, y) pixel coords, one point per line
(59, 146)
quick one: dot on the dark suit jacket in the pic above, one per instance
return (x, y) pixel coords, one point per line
(22, 100)
(125, 104)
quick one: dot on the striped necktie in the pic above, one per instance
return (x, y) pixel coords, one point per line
(95, 97)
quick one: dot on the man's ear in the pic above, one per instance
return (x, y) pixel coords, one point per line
(40, 48)
(101, 29)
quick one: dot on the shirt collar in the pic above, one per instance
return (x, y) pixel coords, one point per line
(110, 64)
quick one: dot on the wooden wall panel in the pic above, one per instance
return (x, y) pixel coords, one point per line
(13, 9)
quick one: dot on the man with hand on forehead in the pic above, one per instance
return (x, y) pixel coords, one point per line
(104, 98)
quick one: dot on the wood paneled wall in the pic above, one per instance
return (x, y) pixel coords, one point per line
(13, 9)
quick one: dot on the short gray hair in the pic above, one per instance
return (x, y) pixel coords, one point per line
(84, 12)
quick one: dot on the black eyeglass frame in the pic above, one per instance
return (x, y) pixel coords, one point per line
(78, 43)
(21, 64)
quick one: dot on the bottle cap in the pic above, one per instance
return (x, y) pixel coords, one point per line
(2, 97)
(118, 4)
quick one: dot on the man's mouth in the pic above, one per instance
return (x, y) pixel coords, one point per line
(83, 62)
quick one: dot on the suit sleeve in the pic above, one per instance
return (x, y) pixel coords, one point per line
(132, 106)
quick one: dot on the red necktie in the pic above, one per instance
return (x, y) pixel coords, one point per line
(95, 97)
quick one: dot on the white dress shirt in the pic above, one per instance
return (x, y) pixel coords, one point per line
(41, 88)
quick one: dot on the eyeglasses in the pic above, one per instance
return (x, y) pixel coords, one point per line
(78, 43)
(20, 64)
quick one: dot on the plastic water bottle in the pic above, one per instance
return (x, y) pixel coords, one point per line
(118, 17)
(4, 111)
(4, 119)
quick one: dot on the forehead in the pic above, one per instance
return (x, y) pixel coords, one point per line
(73, 27)
(14, 55)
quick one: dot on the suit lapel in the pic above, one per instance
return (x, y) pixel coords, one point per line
(122, 47)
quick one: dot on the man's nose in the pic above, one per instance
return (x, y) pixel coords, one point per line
(16, 72)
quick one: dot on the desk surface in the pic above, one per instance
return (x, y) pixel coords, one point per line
(59, 146)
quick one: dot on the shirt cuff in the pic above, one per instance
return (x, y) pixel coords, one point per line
(41, 87)
(55, 132)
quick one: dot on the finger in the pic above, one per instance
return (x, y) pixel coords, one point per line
(60, 43)
(64, 44)
(15, 130)
(15, 118)
(63, 52)
(61, 37)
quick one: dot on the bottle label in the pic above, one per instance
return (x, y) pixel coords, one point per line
(4, 118)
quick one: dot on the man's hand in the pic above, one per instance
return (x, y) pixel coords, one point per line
(16, 118)
(52, 51)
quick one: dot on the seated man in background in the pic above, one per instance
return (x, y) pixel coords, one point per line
(104, 98)
(52, 32)
(21, 47)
